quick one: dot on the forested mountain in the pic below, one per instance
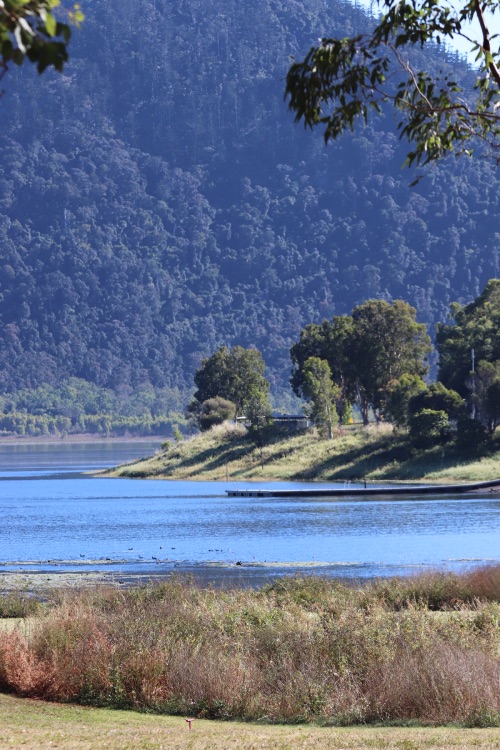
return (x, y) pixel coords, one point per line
(156, 200)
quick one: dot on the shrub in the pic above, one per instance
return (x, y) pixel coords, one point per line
(438, 398)
(435, 682)
(471, 435)
(18, 604)
(215, 411)
(436, 590)
(428, 428)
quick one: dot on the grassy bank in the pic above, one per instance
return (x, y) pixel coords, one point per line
(424, 649)
(35, 725)
(372, 453)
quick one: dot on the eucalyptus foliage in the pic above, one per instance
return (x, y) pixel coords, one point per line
(344, 79)
(34, 30)
(321, 391)
(366, 352)
(236, 375)
(474, 330)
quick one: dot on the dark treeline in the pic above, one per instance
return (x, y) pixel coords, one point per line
(77, 406)
(157, 202)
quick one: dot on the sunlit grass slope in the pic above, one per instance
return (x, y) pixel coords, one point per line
(373, 453)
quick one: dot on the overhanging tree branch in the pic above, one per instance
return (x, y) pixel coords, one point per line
(32, 29)
(341, 80)
(490, 62)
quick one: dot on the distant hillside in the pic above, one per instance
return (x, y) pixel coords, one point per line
(156, 200)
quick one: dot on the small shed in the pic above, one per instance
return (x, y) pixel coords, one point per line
(285, 421)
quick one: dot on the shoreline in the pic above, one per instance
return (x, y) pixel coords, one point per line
(376, 484)
(78, 438)
(220, 574)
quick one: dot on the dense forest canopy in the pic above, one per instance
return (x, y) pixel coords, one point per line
(157, 202)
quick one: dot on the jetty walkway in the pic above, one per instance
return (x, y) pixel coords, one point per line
(424, 489)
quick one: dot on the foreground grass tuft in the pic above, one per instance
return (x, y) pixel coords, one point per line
(422, 649)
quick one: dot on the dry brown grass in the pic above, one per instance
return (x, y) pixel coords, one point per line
(437, 682)
(299, 650)
(438, 590)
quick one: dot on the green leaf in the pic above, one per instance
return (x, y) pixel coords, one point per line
(50, 24)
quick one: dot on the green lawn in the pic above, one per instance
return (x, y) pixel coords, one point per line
(36, 725)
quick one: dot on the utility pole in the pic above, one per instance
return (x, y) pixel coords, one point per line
(473, 414)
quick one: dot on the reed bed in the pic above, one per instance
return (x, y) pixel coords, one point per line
(421, 649)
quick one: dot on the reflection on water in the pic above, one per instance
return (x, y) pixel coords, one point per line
(56, 517)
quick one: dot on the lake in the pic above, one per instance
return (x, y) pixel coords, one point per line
(54, 517)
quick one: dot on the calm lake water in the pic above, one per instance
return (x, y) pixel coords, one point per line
(54, 517)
